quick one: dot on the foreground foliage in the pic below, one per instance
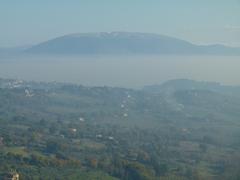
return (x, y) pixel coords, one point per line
(63, 131)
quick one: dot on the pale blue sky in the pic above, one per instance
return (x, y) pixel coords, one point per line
(26, 22)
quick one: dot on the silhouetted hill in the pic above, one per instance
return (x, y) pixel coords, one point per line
(186, 84)
(125, 43)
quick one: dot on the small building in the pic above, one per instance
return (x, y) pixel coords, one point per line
(73, 130)
(28, 93)
(99, 136)
(111, 138)
(125, 115)
(81, 119)
(15, 176)
(11, 176)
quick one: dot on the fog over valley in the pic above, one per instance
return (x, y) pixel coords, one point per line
(122, 71)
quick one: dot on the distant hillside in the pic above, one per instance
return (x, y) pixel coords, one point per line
(186, 84)
(125, 43)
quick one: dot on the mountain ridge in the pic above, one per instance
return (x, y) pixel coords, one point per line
(125, 43)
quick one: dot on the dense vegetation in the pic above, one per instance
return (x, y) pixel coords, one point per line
(65, 131)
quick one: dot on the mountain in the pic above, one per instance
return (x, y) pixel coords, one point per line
(125, 43)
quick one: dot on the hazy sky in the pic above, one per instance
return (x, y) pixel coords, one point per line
(26, 22)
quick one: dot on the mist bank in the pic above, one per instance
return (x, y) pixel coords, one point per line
(121, 71)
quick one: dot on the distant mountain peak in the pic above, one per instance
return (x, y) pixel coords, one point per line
(125, 43)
